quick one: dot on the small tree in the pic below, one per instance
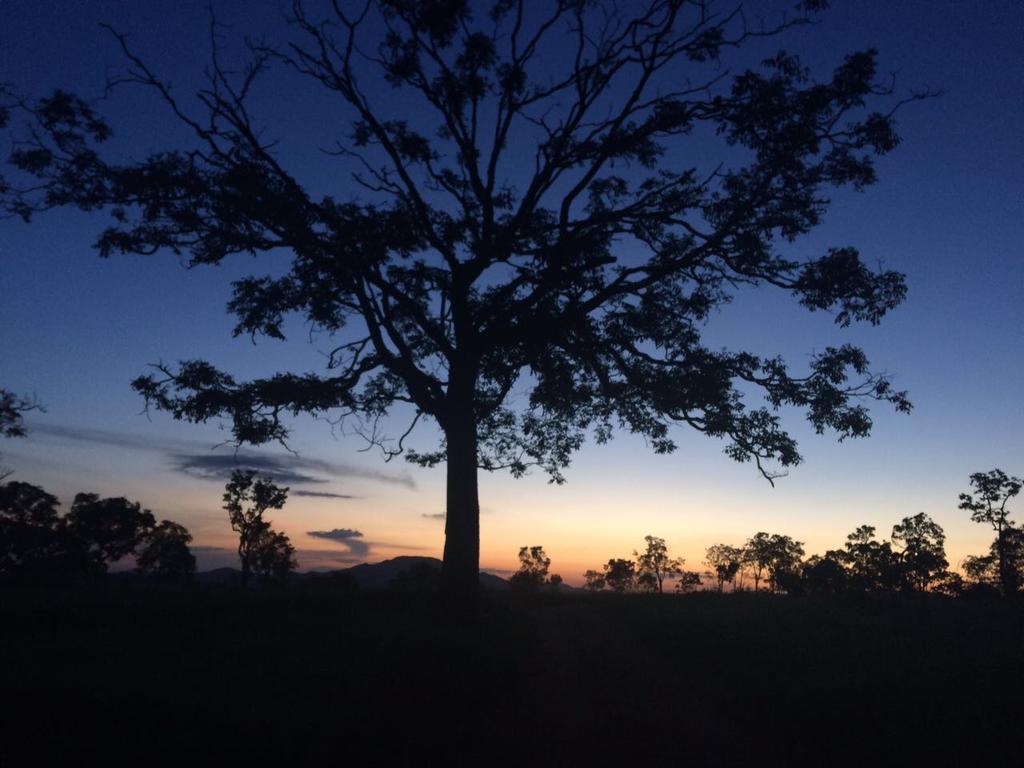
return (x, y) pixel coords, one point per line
(784, 556)
(922, 560)
(824, 574)
(164, 552)
(533, 569)
(992, 491)
(757, 555)
(246, 498)
(725, 561)
(873, 566)
(620, 575)
(594, 581)
(654, 565)
(981, 570)
(274, 556)
(688, 582)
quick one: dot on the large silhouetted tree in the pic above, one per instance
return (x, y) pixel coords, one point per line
(539, 207)
(991, 492)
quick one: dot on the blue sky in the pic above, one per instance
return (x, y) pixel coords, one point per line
(948, 211)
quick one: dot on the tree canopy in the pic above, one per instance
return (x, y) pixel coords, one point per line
(524, 217)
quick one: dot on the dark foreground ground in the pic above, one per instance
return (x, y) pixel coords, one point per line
(139, 675)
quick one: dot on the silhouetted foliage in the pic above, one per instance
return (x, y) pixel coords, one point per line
(688, 581)
(951, 585)
(594, 581)
(533, 569)
(981, 570)
(261, 550)
(985, 570)
(458, 271)
(922, 560)
(725, 561)
(770, 555)
(164, 552)
(36, 542)
(873, 566)
(784, 561)
(12, 410)
(757, 555)
(991, 491)
(13, 407)
(32, 535)
(273, 555)
(653, 565)
(620, 575)
(824, 574)
(107, 528)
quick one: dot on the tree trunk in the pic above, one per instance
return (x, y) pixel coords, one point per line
(243, 560)
(460, 572)
(1001, 561)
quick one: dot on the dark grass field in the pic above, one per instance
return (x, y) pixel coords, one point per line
(142, 675)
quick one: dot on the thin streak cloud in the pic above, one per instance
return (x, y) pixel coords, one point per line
(192, 457)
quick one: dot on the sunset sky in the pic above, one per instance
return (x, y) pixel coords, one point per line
(948, 211)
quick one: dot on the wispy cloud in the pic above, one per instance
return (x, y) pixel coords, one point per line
(211, 466)
(194, 458)
(93, 436)
(323, 495)
(435, 516)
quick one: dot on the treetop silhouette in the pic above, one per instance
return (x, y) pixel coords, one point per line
(516, 224)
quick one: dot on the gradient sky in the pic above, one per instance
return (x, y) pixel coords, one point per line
(948, 211)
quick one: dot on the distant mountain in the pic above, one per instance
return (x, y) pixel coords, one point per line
(379, 575)
(225, 576)
(367, 575)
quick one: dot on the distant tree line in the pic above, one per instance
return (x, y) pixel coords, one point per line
(38, 544)
(647, 573)
(912, 560)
